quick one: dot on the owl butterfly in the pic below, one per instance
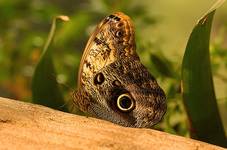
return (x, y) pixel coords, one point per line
(112, 83)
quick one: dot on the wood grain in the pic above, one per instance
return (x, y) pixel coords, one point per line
(30, 126)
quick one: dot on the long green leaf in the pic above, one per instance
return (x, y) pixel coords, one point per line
(197, 84)
(45, 90)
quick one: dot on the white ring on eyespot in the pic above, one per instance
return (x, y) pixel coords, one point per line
(124, 109)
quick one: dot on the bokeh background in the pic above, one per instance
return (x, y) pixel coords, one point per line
(162, 31)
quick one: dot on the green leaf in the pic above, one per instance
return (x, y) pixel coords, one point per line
(197, 84)
(45, 90)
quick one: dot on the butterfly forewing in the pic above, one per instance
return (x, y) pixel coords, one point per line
(113, 38)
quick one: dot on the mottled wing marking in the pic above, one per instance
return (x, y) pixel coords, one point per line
(110, 70)
(104, 47)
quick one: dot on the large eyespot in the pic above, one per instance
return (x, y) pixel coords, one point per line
(125, 103)
(99, 79)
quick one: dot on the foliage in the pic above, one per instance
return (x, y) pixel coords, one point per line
(44, 90)
(197, 84)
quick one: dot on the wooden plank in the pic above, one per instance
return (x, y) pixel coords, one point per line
(29, 126)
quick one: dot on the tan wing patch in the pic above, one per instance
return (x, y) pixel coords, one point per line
(112, 39)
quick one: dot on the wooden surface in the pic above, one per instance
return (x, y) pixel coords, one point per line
(29, 126)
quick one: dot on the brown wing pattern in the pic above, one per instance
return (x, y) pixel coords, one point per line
(112, 39)
(112, 83)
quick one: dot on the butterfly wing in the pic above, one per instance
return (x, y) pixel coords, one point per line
(112, 82)
(112, 39)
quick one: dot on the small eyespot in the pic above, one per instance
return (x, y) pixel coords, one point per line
(119, 33)
(125, 103)
(116, 83)
(99, 79)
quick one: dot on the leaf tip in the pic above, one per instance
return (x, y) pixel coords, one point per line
(63, 18)
(213, 8)
(203, 20)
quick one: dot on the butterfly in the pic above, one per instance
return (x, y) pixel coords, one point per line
(112, 82)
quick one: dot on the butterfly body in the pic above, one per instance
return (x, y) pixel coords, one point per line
(112, 82)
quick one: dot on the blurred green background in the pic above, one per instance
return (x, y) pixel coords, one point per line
(162, 31)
